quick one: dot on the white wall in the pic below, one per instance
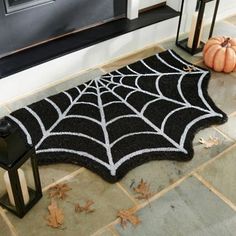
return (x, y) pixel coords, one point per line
(226, 8)
(148, 3)
(135, 5)
(72, 64)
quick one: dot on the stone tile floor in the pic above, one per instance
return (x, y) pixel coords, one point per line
(191, 198)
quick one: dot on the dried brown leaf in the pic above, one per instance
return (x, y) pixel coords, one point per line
(56, 217)
(210, 142)
(128, 216)
(59, 191)
(143, 190)
(86, 208)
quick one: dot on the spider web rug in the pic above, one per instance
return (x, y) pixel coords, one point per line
(148, 110)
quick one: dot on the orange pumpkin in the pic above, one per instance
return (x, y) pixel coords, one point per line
(219, 54)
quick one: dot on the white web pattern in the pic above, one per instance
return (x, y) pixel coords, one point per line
(110, 84)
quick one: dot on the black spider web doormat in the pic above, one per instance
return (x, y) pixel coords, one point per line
(149, 110)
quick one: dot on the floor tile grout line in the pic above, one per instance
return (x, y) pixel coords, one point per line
(163, 192)
(123, 189)
(102, 229)
(232, 114)
(172, 186)
(48, 86)
(119, 185)
(158, 46)
(140, 206)
(7, 108)
(103, 70)
(223, 134)
(146, 203)
(65, 178)
(80, 170)
(215, 191)
(198, 62)
(195, 63)
(228, 22)
(113, 231)
(8, 222)
(219, 155)
(154, 47)
(179, 181)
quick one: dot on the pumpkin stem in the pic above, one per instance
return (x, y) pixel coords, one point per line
(225, 43)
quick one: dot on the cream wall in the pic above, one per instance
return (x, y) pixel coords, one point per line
(72, 64)
(227, 8)
(148, 3)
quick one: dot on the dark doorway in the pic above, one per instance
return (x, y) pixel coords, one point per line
(26, 23)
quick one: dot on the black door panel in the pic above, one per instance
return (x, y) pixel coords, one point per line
(35, 21)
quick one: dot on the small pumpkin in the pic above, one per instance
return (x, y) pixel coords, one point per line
(219, 53)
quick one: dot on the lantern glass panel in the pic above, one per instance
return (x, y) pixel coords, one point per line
(6, 194)
(27, 183)
(207, 19)
(195, 24)
(2, 183)
(27, 180)
(20, 187)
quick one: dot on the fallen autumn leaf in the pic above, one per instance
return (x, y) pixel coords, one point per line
(210, 142)
(86, 208)
(56, 217)
(59, 191)
(128, 216)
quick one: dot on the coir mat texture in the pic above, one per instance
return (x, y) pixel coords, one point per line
(148, 110)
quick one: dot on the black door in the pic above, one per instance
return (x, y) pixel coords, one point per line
(24, 23)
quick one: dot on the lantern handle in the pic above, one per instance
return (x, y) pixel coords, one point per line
(214, 18)
(5, 128)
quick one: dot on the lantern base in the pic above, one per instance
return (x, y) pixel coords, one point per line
(184, 45)
(34, 198)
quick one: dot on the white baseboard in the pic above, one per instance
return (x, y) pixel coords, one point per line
(70, 65)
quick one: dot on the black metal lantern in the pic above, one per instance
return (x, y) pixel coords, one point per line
(20, 187)
(190, 40)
